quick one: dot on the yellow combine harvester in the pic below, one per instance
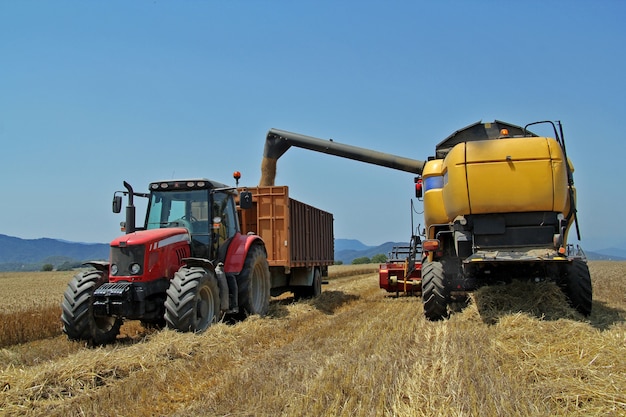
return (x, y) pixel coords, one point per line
(499, 202)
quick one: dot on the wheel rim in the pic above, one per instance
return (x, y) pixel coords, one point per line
(104, 324)
(205, 309)
(258, 287)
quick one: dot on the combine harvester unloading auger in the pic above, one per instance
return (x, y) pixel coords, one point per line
(499, 202)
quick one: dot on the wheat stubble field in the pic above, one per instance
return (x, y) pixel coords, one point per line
(354, 351)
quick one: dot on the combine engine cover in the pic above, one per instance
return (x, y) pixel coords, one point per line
(505, 199)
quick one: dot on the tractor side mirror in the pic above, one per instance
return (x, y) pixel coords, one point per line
(245, 200)
(117, 203)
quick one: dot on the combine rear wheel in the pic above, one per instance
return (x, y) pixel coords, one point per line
(79, 323)
(434, 291)
(193, 301)
(576, 284)
(254, 282)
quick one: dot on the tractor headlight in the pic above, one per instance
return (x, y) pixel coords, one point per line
(114, 269)
(135, 269)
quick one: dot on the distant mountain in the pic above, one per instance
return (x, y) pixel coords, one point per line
(346, 250)
(18, 254)
(607, 255)
(32, 254)
(615, 253)
(350, 244)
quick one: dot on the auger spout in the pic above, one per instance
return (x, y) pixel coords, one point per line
(279, 141)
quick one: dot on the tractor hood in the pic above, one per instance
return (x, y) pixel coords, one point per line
(158, 237)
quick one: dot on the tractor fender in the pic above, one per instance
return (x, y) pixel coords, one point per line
(102, 266)
(238, 250)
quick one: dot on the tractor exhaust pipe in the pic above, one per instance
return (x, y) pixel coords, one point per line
(279, 141)
(130, 210)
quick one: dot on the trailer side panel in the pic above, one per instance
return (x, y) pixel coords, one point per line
(295, 234)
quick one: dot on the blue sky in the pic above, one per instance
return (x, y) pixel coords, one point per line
(93, 93)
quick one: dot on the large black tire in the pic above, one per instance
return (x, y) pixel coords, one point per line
(314, 290)
(434, 291)
(193, 300)
(254, 283)
(576, 284)
(79, 323)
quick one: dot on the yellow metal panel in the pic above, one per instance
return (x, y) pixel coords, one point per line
(455, 190)
(514, 149)
(510, 175)
(434, 210)
(497, 176)
(501, 187)
(433, 168)
(561, 187)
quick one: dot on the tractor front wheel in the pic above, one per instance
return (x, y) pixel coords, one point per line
(79, 323)
(193, 300)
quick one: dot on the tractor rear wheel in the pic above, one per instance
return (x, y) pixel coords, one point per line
(254, 282)
(576, 284)
(79, 323)
(193, 300)
(434, 291)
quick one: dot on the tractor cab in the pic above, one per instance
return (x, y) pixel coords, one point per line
(205, 208)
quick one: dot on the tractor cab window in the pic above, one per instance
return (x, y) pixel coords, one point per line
(189, 209)
(211, 218)
(177, 210)
(224, 224)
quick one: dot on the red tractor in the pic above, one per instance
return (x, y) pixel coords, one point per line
(187, 266)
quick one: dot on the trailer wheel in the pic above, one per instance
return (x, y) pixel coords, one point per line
(434, 291)
(314, 290)
(576, 284)
(79, 323)
(193, 301)
(254, 282)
